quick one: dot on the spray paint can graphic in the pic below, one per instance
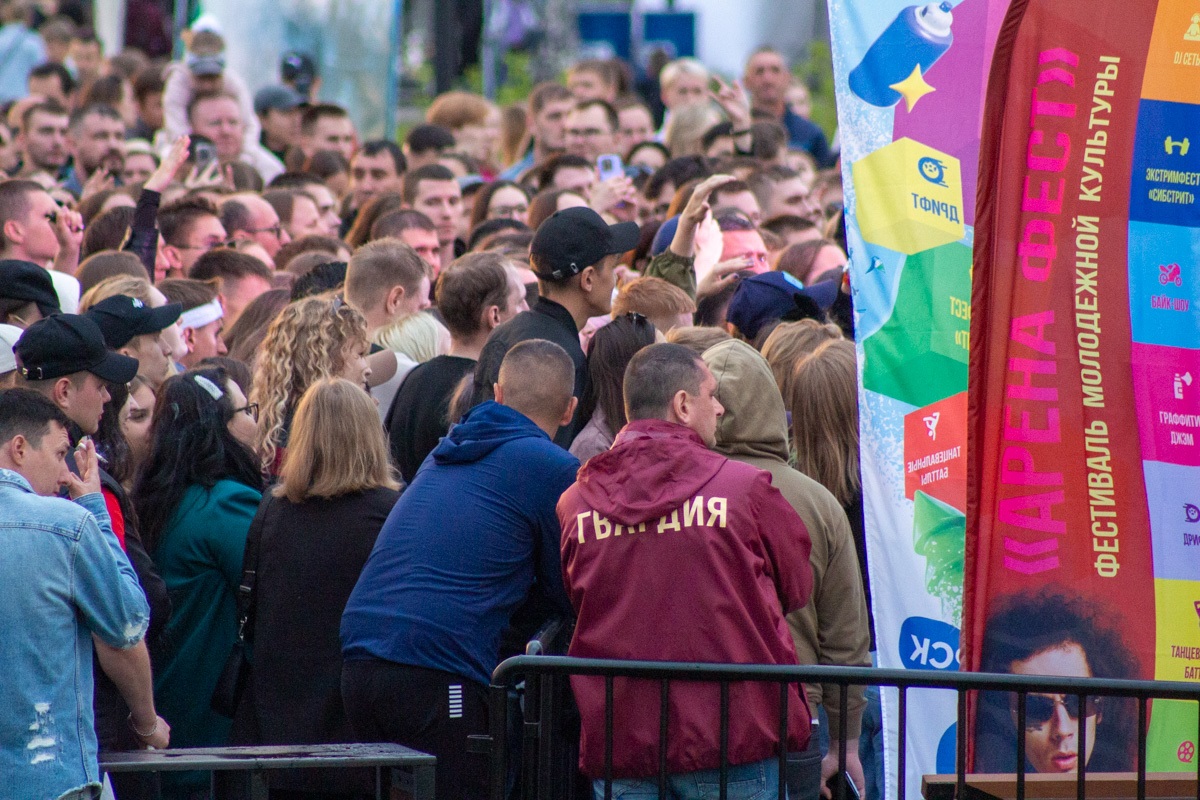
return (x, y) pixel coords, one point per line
(920, 35)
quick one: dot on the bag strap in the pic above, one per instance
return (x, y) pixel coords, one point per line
(245, 593)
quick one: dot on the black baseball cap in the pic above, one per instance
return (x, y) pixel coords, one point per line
(573, 239)
(24, 280)
(298, 68)
(68, 343)
(121, 317)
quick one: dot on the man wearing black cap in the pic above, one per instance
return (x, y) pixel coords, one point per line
(26, 293)
(64, 358)
(134, 329)
(574, 255)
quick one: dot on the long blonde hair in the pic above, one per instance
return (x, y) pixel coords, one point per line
(337, 445)
(824, 406)
(308, 341)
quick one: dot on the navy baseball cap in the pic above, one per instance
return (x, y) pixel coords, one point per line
(276, 98)
(24, 280)
(121, 317)
(759, 299)
(573, 239)
(68, 343)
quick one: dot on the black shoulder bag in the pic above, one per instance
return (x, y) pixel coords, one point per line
(236, 671)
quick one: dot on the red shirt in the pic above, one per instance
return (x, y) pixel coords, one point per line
(114, 513)
(672, 552)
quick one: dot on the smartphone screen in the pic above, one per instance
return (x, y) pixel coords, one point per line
(609, 166)
(204, 153)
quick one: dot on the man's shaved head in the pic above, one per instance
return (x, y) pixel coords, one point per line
(537, 378)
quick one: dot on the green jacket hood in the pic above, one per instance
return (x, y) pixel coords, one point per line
(754, 424)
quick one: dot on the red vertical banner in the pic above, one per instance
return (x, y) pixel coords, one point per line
(1059, 570)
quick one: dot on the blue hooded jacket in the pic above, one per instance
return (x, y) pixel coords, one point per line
(461, 549)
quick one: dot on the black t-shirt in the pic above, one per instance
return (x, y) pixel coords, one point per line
(417, 418)
(545, 320)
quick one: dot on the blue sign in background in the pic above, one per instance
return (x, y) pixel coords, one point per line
(928, 644)
(1168, 138)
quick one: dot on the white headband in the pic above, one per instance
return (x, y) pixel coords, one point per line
(200, 316)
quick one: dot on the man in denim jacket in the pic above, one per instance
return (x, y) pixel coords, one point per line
(64, 584)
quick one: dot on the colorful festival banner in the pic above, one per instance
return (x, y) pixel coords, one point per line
(911, 81)
(1083, 472)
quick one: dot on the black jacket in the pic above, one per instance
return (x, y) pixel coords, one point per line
(111, 711)
(546, 320)
(310, 556)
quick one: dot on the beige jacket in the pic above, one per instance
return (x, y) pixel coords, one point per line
(832, 628)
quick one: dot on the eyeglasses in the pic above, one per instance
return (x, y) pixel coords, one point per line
(1039, 708)
(205, 247)
(276, 230)
(508, 211)
(251, 409)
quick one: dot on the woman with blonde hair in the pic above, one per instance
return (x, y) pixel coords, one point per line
(824, 405)
(311, 339)
(789, 342)
(823, 401)
(684, 131)
(419, 336)
(309, 541)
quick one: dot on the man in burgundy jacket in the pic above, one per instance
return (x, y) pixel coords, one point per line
(672, 552)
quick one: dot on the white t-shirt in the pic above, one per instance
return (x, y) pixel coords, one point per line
(67, 289)
(385, 392)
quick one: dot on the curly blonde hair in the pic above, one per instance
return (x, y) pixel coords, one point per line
(308, 341)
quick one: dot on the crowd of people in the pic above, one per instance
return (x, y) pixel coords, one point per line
(300, 434)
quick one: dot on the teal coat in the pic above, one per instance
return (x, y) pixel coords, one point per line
(200, 557)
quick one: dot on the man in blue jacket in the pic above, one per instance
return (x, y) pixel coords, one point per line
(65, 587)
(459, 553)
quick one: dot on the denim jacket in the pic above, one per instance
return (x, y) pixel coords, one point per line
(63, 578)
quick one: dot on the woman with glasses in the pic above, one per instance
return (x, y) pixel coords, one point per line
(497, 200)
(312, 536)
(195, 497)
(311, 339)
(1054, 632)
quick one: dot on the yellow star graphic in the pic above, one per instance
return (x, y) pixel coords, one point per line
(913, 88)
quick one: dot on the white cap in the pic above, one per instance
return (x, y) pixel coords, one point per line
(8, 340)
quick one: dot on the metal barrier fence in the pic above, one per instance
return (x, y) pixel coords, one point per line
(244, 772)
(547, 768)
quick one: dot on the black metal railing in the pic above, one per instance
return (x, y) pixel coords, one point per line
(547, 769)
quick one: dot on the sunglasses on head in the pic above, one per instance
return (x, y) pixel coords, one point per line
(1039, 708)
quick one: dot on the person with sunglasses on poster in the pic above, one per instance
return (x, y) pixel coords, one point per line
(1055, 633)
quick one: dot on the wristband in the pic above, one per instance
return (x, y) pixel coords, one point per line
(136, 732)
